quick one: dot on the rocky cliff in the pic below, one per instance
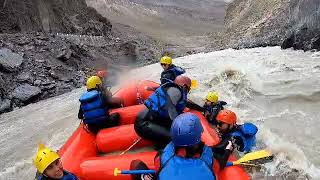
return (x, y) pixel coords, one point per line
(49, 47)
(287, 23)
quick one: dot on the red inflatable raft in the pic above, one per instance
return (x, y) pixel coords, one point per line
(94, 157)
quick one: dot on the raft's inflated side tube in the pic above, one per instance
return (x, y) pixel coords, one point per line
(119, 139)
(129, 114)
(130, 92)
(101, 168)
(233, 173)
(79, 146)
(147, 88)
(209, 135)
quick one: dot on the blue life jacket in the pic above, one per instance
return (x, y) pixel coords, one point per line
(93, 107)
(170, 74)
(247, 133)
(174, 167)
(157, 102)
(67, 176)
(177, 70)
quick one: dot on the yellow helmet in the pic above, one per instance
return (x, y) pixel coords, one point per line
(93, 81)
(166, 60)
(212, 97)
(44, 158)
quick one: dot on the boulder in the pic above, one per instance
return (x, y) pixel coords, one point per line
(5, 105)
(25, 92)
(9, 61)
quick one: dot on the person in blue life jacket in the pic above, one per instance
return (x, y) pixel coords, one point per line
(243, 136)
(170, 71)
(94, 107)
(186, 156)
(165, 104)
(212, 107)
(49, 166)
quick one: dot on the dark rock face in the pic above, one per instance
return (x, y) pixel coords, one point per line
(25, 92)
(9, 61)
(5, 105)
(305, 23)
(66, 16)
(255, 23)
(50, 47)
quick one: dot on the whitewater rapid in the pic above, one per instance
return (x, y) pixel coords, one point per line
(279, 90)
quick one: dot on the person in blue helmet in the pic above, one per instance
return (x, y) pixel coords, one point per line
(243, 136)
(94, 106)
(186, 156)
(165, 104)
(170, 71)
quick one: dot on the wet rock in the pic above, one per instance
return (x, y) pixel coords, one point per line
(2, 84)
(25, 77)
(48, 87)
(64, 54)
(25, 92)
(5, 105)
(9, 61)
(37, 82)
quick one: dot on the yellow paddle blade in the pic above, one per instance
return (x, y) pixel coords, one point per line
(116, 171)
(194, 84)
(253, 156)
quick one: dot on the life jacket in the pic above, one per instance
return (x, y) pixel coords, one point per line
(157, 102)
(66, 176)
(177, 70)
(174, 71)
(247, 133)
(213, 111)
(92, 105)
(174, 167)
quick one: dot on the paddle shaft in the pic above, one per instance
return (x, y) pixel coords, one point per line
(138, 172)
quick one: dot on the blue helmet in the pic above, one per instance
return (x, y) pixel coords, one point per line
(186, 130)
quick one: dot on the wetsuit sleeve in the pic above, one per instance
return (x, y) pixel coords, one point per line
(173, 97)
(221, 154)
(222, 158)
(80, 113)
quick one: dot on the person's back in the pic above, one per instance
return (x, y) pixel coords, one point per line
(167, 96)
(170, 71)
(186, 156)
(165, 104)
(94, 107)
(192, 168)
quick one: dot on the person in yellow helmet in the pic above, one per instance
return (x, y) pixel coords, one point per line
(170, 71)
(94, 106)
(49, 166)
(212, 107)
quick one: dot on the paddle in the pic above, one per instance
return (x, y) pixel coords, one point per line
(245, 160)
(194, 84)
(116, 172)
(253, 156)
